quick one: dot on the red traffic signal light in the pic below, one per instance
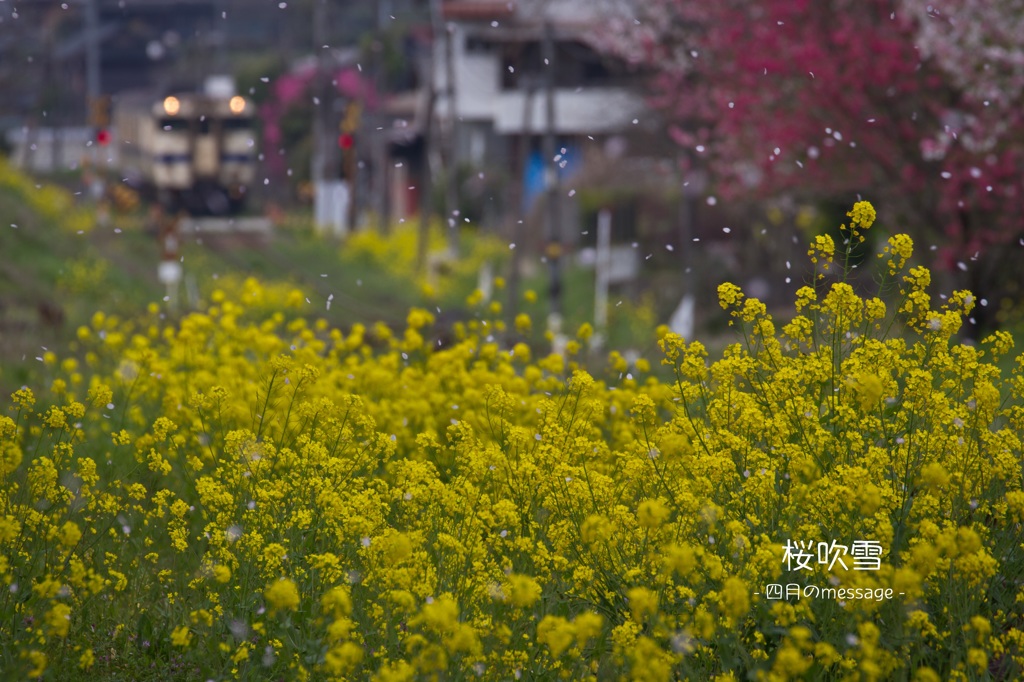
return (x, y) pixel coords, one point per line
(103, 137)
(346, 140)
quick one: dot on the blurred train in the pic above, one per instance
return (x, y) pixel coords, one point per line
(188, 151)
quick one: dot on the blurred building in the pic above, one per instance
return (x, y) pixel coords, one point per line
(490, 93)
(499, 79)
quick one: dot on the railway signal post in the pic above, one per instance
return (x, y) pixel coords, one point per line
(169, 271)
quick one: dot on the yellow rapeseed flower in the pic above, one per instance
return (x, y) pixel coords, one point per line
(642, 603)
(524, 591)
(652, 513)
(69, 534)
(729, 295)
(38, 661)
(181, 636)
(735, 597)
(557, 633)
(523, 323)
(58, 620)
(863, 214)
(282, 595)
(87, 659)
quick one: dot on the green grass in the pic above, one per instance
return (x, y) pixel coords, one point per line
(42, 268)
(53, 280)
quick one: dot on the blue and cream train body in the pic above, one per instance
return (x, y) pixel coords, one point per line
(188, 151)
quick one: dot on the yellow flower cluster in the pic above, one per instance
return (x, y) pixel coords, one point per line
(822, 250)
(260, 496)
(398, 254)
(862, 217)
(863, 214)
(55, 204)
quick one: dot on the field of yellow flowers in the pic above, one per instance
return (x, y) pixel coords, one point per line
(260, 496)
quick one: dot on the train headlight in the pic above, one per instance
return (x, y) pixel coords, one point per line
(236, 104)
(172, 105)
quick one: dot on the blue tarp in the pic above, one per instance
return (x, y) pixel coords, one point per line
(567, 164)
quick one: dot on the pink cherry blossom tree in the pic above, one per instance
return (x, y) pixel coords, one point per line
(915, 106)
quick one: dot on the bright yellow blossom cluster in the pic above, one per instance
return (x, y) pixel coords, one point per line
(248, 493)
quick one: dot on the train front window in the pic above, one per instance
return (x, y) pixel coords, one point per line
(169, 124)
(232, 124)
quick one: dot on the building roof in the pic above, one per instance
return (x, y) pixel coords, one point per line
(477, 10)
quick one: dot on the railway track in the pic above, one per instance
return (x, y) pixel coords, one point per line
(257, 226)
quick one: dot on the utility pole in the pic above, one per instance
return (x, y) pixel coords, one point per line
(690, 186)
(381, 175)
(92, 55)
(552, 229)
(602, 271)
(426, 182)
(318, 163)
(519, 214)
(332, 199)
(451, 187)
(451, 193)
(687, 218)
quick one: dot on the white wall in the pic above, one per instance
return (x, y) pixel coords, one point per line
(479, 97)
(588, 111)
